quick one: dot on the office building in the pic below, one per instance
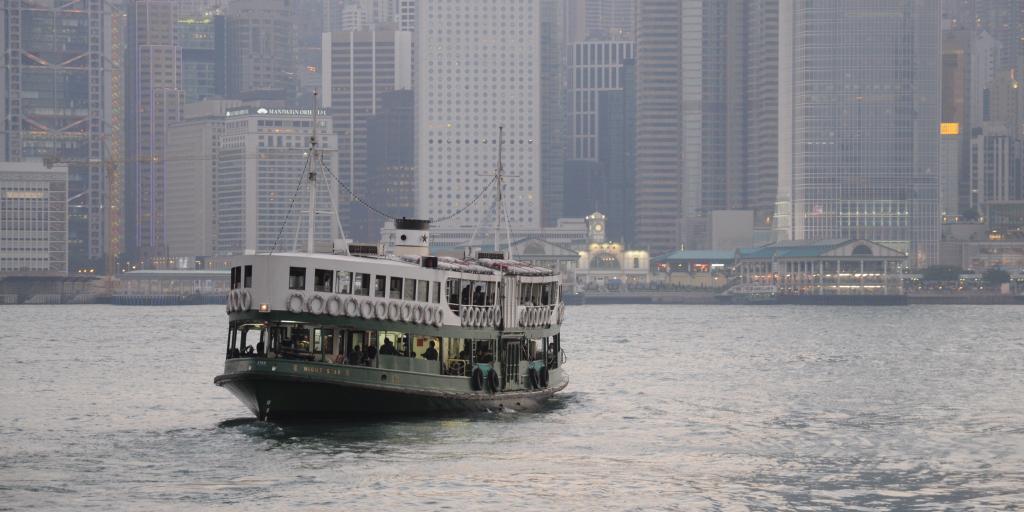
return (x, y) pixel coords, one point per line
(190, 182)
(33, 219)
(553, 123)
(594, 66)
(261, 200)
(995, 166)
(261, 49)
(204, 57)
(859, 111)
(390, 161)
(57, 104)
(154, 101)
(468, 87)
(358, 70)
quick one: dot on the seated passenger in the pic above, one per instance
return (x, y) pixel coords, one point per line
(371, 352)
(388, 348)
(431, 353)
(485, 357)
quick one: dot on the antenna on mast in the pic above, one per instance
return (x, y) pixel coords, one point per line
(314, 166)
(499, 204)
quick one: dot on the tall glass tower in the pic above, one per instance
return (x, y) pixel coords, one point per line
(859, 123)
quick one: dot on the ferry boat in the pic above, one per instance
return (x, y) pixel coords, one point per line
(350, 331)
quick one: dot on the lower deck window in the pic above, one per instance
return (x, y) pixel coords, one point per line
(296, 278)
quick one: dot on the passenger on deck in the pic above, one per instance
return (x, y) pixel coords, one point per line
(388, 348)
(339, 359)
(431, 353)
(465, 294)
(356, 356)
(485, 356)
(259, 349)
(371, 352)
(478, 296)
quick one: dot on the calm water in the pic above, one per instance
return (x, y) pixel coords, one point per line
(670, 407)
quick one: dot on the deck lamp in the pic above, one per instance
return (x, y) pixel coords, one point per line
(264, 308)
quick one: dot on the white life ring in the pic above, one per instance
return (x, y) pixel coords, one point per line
(407, 312)
(351, 307)
(315, 304)
(394, 312)
(534, 318)
(417, 314)
(474, 317)
(496, 316)
(366, 309)
(380, 310)
(469, 316)
(233, 300)
(478, 317)
(439, 316)
(295, 303)
(246, 301)
(334, 306)
(522, 318)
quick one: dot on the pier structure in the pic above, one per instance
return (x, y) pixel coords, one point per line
(822, 267)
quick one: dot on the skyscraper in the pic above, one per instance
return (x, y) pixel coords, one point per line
(57, 105)
(204, 58)
(594, 66)
(859, 111)
(154, 100)
(478, 70)
(358, 68)
(262, 203)
(261, 45)
(553, 135)
(659, 178)
(391, 159)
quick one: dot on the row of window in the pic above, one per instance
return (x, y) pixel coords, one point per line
(358, 283)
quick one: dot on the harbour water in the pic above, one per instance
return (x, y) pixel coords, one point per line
(669, 407)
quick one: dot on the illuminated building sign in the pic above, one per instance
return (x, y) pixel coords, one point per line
(949, 129)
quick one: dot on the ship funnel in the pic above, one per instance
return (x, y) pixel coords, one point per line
(412, 237)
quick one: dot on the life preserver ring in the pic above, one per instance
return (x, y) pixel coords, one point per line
(351, 307)
(417, 314)
(334, 306)
(380, 310)
(534, 379)
(246, 302)
(478, 315)
(543, 376)
(366, 309)
(522, 318)
(496, 315)
(439, 317)
(407, 312)
(232, 301)
(295, 302)
(477, 380)
(394, 312)
(315, 304)
(492, 381)
(469, 316)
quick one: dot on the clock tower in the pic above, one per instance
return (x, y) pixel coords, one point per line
(595, 227)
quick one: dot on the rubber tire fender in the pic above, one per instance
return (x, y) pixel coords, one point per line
(492, 381)
(477, 380)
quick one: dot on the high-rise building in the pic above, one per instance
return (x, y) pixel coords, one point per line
(705, 89)
(859, 111)
(594, 66)
(261, 49)
(154, 101)
(617, 154)
(358, 69)
(204, 58)
(391, 159)
(57, 105)
(469, 84)
(995, 166)
(599, 20)
(261, 200)
(659, 129)
(190, 204)
(33, 219)
(553, 120)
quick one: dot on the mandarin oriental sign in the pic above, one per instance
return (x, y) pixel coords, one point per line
(263, 111)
